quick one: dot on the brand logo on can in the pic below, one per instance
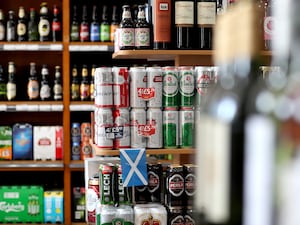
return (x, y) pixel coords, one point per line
(153, 182)
(203, 83)
(187, 84)
(190, 181)
(176, 185)
(170, 84)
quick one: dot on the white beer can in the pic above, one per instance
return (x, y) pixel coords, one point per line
(154, 121)
(122, 128)
(103, 92)
(137, 124)
(120, 87)
(138, 85)
(154, 85)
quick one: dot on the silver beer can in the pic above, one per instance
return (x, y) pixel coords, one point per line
(106, 214)
(103, 92)
(103, 135)
(137, 124)
(203, 82)
(154, 121)
(121, 124)
(124, 215)
(154, 85)
(138, 85)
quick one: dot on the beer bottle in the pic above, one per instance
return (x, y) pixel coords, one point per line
(268, 23)
(126, 29)
(75, 93)
(33, 34)
(56, 25)
(11, 27)
(57, 87)
(84, 26)
(142, 30)
(184, 23)
(74, 26)
(95, 26)
(33, 87)
(105, 26)
(92, 82)
(115, 23)
(206, 12)
(2, 26)
(2, 85)
(11, 88)
(44, 24)
(45, 92)
(85, 84)
(21, 26)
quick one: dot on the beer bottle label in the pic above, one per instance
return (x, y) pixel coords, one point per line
(44, 27)
(11, 91)
(11, 34)
(206, 13)
(95, 32)
(21, 29)
(84, 33)
(45, 91)
(75, 94)
(57, 90)
(126, 37)
(33, 89)
(74, 33)
(142, 37)
(105, 32)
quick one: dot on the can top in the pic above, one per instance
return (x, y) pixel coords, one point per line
(201, 68)
(137, 68)
(103, 69)
(170, 109)
(169, 68)
(185, 68)
(186, 109)
(154, 68)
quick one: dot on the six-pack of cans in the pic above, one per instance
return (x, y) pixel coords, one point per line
(150, 107)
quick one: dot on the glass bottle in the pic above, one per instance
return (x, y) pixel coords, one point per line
(3, 89)
(105, 26)
(92, 82)
(45, 91)
(75, 93)
(57, 87)
(11, 27)
(22, 25)
(268, 24)
(56, 25)
(142, 30)
(126, 30)
(85, 84)
(115, 23)
(33, 34)
(44, 23)
(95, 26)
(184, 24)
(84, 26)
(33, 87)
(11, 87)
(206, 12)
(2, 26)
(74, 33)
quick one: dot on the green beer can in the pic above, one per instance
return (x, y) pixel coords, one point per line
(170, 87)
(186, 86)
(106, 187)
(170, 128)
(186, 128)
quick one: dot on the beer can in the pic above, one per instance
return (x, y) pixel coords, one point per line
(120, 87)
(174, 186)
(170, 87)
(122, 128)
(106, 215)
(76, 150)
(138, 85)
(186, 128)
(137, 124)
(103, 135)
(122, 192)
(124, 215)
(189, 183)
(92, 196)
(75, 132)
(154, 121)
(86, 150)
(106, 184)
(154, 84)
(103, 75)
(175, 216)
(141, 194)
(103, 87)
(152, 213)
(155, 182)
(85, 129)
(203, 82)
(189, 216)
(170, 128)
(214, 74)
(186, 86)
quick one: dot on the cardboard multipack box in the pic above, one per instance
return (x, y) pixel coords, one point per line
(21, 204)
(5, 142)
(53, 206)
(78, 204)
(47, 142)
(22, 141)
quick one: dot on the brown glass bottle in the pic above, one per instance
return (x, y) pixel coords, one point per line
(22, 25)
(45, 92)
(56, 25)
(11, 32)
(85, 84)
(33, 87)
(74, 33)
(142, 30)
(57, 87)
(105, 25)
(44, 23)
(11, 87)
(75, 93)
(126, 34)
(115, 23)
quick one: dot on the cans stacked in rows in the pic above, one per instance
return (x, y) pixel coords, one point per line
(80, 137)
(112, 124)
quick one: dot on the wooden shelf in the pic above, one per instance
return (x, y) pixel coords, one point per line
(31, 46)
(31, 165)
(31, 106)
(91, 46)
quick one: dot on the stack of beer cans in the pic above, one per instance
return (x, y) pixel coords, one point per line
(80, 137)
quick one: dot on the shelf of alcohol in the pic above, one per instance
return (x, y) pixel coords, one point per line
(31, 165)
(91, 46)
(29, 106)
(31, 46)
(82, 106)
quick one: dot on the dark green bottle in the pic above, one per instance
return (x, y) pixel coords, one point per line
(74, 26)
(33, 34)
(2, 85)
(105, 26)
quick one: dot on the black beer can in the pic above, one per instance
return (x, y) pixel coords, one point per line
(141, 194)
(155, 182)
(175, 216)
(189, 216)
(189, 184)
(174, 186)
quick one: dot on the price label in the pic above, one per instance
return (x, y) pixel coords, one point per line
(146, 130)
(114, 132)
(57, 108)
(146, 93)
(45, 108)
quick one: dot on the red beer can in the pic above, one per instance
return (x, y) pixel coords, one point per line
(121, 87)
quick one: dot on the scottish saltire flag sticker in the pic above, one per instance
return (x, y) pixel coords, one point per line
(134, 167)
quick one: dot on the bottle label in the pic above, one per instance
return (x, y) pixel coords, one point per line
(21, 29)
(187, 84)
(74, 33)
(105, 32)
(268, 27)
(56, 26)
(57, 89)
(162, 21)
(33, 89)
(11, 91)
(11, 34)
(84, 91)
(45, 91)
(95, 32)
(84, 33)
(184, 13)
(44, 27)
(142, 37)
(126, 14)
(126, 37)
(2, 32)
(207, 12)
(75, 94)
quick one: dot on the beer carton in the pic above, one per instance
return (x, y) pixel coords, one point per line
(53, 207)
(22, 141)
(79, 204)
(5, 142)
(21, 204)
(59, 142)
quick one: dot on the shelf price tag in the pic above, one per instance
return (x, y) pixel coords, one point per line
(114, 132)
(8, 47)
(45, 108)
(21, 107)
(31, 47)
(3, 108)
(56, 47)
(32, 108)
(57, 108)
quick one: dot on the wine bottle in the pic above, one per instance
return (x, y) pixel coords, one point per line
(95, 26)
